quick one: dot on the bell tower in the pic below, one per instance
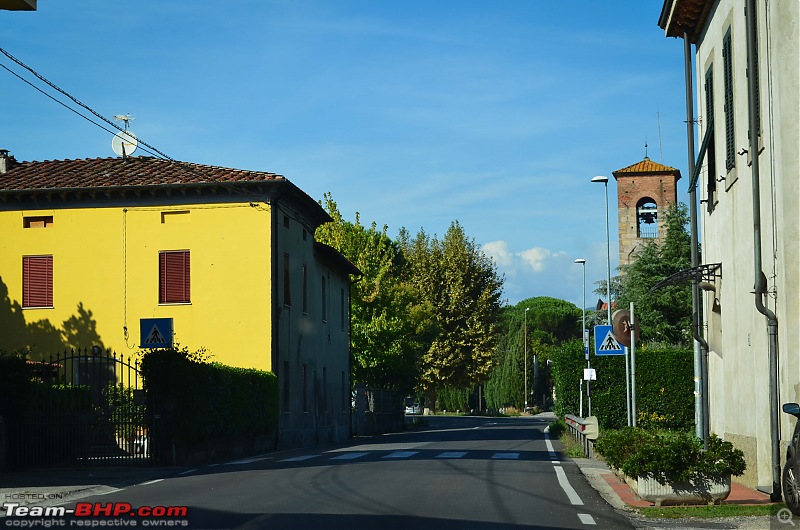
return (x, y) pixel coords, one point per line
(645, 190)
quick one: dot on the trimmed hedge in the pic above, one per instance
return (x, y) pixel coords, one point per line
(194, 402)
(664, 386)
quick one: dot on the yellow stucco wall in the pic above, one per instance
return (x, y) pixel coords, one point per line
(105, 278)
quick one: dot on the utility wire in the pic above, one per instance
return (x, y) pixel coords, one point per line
(148, 148)
(56, 88)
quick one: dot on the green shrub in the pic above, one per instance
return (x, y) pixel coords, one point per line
(669, 455)
(557, 428)
(197, 401)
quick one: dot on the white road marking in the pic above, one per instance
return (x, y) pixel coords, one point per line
(112, 490)
(401, 454)
(574, 499)
(187, 471)
(550, 450)
(586, 518)
(248, 460)
(505, 456)
(451, 454)
(349, 456)
(151, 482)
(298, 458)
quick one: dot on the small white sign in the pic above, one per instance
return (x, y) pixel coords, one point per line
(589, 374)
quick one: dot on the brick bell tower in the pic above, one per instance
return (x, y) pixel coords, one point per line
(644, 192)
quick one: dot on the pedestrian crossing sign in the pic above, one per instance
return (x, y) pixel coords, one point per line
(155, 333)
(605, 343)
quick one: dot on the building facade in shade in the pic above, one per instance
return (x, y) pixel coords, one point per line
(92, 247)
(746, 62)
(645, 190)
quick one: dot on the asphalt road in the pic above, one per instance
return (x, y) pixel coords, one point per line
(456, 473)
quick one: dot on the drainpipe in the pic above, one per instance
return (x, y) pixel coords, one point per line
(700, 345)
(760, 279)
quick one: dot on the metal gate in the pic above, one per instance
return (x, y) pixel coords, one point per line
(85, 408)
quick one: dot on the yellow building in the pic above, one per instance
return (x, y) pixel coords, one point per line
(92, 247)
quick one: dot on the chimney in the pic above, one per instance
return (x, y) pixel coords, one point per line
(5, 161)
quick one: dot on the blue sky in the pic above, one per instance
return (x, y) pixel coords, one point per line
(415, 114)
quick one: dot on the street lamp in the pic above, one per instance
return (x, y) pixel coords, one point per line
(583, 329)
(525, 332)
(604, 180)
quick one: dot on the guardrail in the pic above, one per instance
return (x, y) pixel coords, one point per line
(584, 430)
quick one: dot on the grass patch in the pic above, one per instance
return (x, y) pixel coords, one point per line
(721, 510)
(572, 448)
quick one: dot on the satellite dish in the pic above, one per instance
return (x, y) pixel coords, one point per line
(124, 143)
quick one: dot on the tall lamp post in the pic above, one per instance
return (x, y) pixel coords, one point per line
(604, 180)
(525, 333)
(583, 330)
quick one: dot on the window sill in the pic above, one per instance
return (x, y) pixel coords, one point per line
(38, 307)
(174, 303)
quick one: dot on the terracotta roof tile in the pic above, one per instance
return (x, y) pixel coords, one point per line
(117, 172)
(646, 166)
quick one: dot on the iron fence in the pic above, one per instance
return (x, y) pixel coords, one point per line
(83, 408)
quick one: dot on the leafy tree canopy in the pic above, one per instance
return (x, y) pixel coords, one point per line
(664, 315)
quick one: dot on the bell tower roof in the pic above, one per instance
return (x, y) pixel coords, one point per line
(647, 167)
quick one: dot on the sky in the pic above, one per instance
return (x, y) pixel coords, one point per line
(415, 114)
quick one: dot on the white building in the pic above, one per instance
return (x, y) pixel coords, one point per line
(740, 406)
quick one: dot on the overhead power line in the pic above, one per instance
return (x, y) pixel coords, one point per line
(73, 99)
(148, 148)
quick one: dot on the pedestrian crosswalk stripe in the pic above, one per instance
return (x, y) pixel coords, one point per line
(349, 456)
(505, 456)
(401, 454)
(451, 454)
(299, 458)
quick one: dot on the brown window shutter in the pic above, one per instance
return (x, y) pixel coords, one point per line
(37, 281)
(174, 277)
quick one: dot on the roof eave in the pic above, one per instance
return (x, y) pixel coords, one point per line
(684, 18)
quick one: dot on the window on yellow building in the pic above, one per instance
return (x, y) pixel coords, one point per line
(39, 221)
(174, 285)
(37, 281)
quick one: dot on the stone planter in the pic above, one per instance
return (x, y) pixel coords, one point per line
(711, 490)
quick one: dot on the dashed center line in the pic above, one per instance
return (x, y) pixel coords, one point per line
(586, 518)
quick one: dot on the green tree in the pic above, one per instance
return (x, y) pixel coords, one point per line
(462, 287)
(550, 322)
(389, 324)
(664, 315)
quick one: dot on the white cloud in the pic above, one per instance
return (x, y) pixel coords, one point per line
(499, 252)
